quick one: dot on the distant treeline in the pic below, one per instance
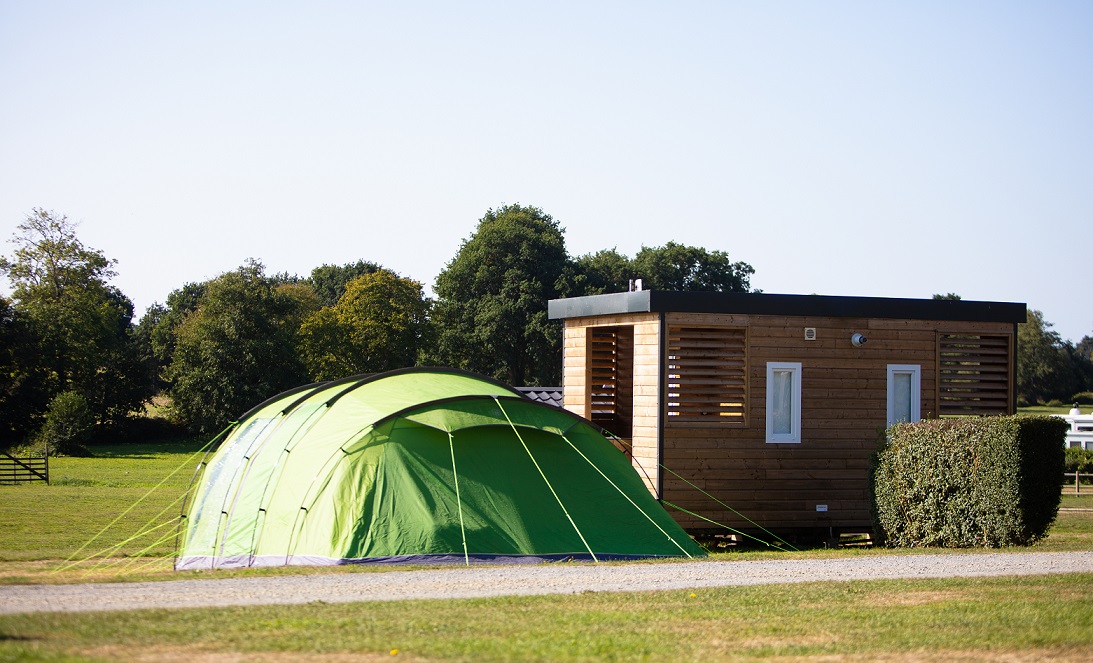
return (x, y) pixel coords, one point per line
(74, 360)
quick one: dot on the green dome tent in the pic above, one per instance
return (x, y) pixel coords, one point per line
(419, 465)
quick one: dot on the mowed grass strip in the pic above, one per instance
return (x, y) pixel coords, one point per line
(40, 521)
(1012, 618)
(40, 525)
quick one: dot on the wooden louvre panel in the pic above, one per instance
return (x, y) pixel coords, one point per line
(973, 374)
(707, 374)
(610, 369)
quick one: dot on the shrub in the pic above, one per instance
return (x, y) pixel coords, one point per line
(1082, 398)
(1055, 402)
(68, 425)
(138, 430)
(958, 483)
(1078, 460)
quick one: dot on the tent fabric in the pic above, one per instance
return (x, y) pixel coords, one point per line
(419, 465)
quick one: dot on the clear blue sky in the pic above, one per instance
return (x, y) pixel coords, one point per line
(840, 148)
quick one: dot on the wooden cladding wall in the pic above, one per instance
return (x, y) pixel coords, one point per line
(823, 481)
(707, 378)
(974, 373)
(843, 406)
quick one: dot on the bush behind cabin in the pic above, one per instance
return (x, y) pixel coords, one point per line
(975, 482)
(1078, 460)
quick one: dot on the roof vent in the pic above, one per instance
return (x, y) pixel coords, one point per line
(810, 333)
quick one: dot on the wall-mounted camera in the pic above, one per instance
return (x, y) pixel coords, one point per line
(858, 340)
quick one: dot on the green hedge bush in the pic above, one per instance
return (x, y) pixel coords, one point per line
(1078, 460)
(973, 482)
(68, 425)
(1082, 398)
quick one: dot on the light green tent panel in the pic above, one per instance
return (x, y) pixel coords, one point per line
(420, 465)
(222, 475)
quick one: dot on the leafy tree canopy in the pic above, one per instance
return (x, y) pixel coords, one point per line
(1085, 347)
(81, 322)
(329, 281)
(23, 379)
(690, 268)
(50, 260)
(378, 324)
(604, 271)
(491, 310)
(669, 267)
(235, 349)
(1043, 362)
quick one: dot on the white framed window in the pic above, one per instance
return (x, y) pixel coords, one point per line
(784, 402)
(904, 393)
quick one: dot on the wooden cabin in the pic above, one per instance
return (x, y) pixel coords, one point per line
(774, 404)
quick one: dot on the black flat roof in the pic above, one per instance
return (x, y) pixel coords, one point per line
(664, 301)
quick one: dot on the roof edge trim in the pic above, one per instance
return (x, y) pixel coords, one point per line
(665, 301)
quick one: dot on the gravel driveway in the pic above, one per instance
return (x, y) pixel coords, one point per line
(480, 581)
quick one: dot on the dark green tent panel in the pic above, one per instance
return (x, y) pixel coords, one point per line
(419, 465)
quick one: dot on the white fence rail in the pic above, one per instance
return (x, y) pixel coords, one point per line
(1081, 430)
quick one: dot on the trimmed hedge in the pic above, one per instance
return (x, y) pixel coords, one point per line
(973, 482)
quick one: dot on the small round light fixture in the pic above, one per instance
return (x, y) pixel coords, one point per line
(858, 340)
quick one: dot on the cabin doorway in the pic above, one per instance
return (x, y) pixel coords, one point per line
(611, 380)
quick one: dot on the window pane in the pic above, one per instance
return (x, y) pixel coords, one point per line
(782, 387)
(901, 397)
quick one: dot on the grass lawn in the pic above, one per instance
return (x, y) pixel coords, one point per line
(1017, 619)
(1051, 409)
(86, 494)
(1022, 618)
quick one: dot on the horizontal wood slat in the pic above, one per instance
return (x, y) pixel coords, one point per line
(707, 377)
(974, 374)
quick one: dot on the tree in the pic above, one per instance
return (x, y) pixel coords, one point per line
(23, 380)
(602, 272)
(491, 310)
(379, 324)
(82, 323)
(1081, 369)
(1085, 347)
(1043, 366)
(68, 424)
(950, 296)
(235, 349)
(160, 321)
(689, 268)
(329, 281)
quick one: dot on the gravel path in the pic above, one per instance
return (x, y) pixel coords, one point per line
(482, 581)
